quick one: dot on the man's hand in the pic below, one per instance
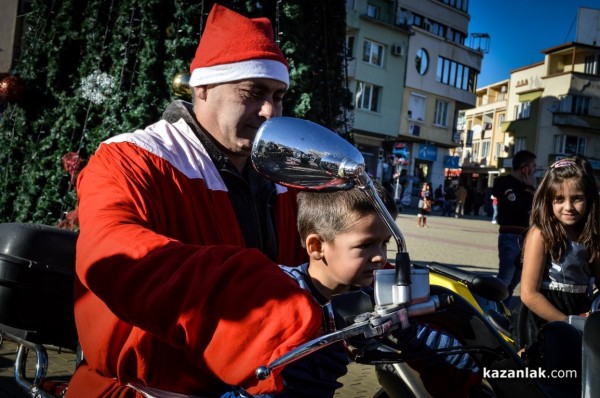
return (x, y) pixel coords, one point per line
(528, 177)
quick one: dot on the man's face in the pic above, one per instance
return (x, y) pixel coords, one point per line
(529, 168)
(232, 112)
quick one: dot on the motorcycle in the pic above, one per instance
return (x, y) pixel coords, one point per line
(37, 271)
(406, 296)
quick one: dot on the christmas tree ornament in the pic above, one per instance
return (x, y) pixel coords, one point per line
(97, 87)
(181, 85)
(72, 164)
(12, 89)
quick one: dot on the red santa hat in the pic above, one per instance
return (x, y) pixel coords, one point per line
(234, 47)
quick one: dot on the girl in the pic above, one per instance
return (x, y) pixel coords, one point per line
(424, 205)
(562, 248)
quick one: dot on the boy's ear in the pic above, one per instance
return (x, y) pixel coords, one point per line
(314, 246)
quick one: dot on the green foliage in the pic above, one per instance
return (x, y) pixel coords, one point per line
(97, 68)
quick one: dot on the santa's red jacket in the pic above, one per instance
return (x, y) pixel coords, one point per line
(167, 295)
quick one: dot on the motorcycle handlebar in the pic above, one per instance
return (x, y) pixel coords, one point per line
(368, 324)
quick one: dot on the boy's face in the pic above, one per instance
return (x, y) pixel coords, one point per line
(352, 257)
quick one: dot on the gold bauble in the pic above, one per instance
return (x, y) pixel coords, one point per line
(181, 85)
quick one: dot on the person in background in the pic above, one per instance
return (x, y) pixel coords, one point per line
(495, 209)
(449, 201)
(461, 198)
(515, 196)
(439, 197)
(424, 205)
(178, 287)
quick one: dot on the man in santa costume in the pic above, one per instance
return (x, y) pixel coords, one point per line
(178, 286)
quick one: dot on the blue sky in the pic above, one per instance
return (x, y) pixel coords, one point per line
(520, 30)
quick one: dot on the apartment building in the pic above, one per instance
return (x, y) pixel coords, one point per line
(485, 142)
(376, 69)
(551, 108)
(430, 76)
(554, 106)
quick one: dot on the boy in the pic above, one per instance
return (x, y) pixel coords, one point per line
(346, 241)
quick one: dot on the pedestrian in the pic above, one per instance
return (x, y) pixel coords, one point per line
(461, 198)
(178, 285)
(424, 205)
(495, 209)
(439, 198)
(561, 257)
(515, 195)
(449, 201)
(477, 201)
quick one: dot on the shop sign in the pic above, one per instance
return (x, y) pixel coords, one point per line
(427, 152)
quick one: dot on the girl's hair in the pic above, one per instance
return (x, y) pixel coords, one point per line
(542, 215)
(330, 214)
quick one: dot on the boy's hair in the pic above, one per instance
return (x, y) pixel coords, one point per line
(330, 214)
(542, 215)
(522, 158)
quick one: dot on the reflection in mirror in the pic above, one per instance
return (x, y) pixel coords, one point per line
(302, 154)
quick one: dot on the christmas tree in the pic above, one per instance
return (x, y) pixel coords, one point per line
(91, 69)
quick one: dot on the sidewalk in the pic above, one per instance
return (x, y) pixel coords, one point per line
(469, 243)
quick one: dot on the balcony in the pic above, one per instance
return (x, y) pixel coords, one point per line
(586, 122)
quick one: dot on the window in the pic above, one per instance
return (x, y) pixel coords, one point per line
(440, 116)
(486, 145)
(458, 4)
(422, 61)
(569, 145)
(416, 107)
(372, 11)
(350, 47)
(367, 96)
(591, 64)
(373, 53)
(520, 144)
(576, 104)
(438, 29)
(522, 110)
(475, 151)
(499, 150)
(456, 75)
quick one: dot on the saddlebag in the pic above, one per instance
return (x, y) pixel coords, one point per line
(37, 271)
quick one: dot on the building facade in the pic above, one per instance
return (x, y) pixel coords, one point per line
(554, 106)
(485, 144)
(419, 101)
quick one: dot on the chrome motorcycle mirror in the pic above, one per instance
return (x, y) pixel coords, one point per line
(302, 154)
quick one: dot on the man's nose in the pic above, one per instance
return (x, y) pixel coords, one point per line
(267, 109)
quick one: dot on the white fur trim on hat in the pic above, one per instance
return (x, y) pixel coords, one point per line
(251, 69)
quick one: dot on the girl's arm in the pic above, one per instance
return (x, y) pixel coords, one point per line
(534, 259)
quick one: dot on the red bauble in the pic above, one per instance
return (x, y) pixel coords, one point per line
(12, 89)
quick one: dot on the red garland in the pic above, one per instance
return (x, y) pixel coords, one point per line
(72, 164)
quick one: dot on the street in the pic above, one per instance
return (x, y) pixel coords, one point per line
(468, 243)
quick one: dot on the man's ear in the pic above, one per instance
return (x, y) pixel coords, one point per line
(314, 246)
(199, 92)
